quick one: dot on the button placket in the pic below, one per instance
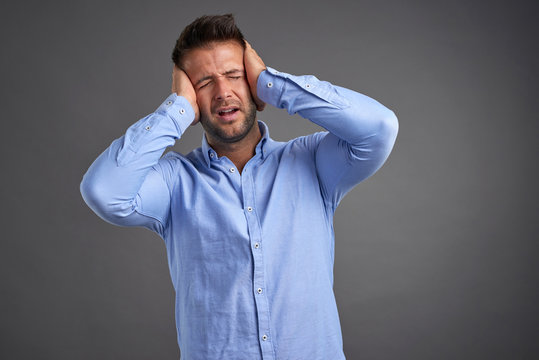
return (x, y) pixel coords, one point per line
(258, 280)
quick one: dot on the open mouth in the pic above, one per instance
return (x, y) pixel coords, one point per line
(227, 111)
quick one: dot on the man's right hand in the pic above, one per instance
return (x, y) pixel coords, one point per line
(181, 85)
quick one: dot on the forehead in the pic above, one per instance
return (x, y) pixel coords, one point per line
(214, 59)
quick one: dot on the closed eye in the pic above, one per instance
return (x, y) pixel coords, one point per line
(204, 84)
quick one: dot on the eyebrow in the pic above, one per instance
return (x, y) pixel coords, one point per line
(228, 72)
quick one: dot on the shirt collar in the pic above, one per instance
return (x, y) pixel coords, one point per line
(263, 148)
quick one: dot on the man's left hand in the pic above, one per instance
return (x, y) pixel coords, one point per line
(253, 67)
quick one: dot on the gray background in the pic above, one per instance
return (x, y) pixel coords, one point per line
(435, 254)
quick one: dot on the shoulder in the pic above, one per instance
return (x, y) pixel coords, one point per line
(307, 142)
(174, 162)
(303, 147)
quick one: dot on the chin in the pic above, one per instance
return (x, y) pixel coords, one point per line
(230, 133)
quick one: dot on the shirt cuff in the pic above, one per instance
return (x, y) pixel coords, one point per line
(272, 85)
(178, 109)
(269, 86)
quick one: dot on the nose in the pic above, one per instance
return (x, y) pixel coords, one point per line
(223, 89)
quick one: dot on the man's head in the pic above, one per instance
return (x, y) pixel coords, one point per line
(204, 31)
(211, 52)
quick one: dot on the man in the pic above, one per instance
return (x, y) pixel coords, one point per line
(247, 221)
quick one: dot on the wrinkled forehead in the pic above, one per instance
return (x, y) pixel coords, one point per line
(213, 58)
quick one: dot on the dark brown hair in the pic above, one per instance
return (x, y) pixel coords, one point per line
(205, 30)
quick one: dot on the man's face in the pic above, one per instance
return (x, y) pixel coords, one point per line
(227, 109)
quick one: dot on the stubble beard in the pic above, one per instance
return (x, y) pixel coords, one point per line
(219, 134)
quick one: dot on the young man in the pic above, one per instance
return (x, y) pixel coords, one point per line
(247, 221)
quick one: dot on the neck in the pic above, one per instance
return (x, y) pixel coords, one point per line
(239, 152)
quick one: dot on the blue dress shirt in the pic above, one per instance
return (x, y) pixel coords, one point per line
(250, 255)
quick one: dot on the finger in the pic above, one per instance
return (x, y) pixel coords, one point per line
(173, 79)
(249, 51)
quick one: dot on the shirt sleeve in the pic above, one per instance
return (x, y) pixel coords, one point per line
(362, 131)
(127, 184)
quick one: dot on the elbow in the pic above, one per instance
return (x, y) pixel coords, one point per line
(390, 126)
(386, 133)
(93, 195)
(99, 199)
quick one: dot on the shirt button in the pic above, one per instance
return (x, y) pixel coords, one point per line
(182, 111)
(307, 86)
(232, 170)
(211, 154)
(257, 245)
(270, 84)
(259, 290)
(147, 127)
(169, 103)
(249, 209)
(264, 337)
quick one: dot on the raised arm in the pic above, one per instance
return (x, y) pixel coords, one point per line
(128, 184)
(361, 130)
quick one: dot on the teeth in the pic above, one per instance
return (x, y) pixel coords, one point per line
(227, 111)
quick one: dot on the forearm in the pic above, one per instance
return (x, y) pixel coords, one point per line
(111, 184)
(349, 115)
